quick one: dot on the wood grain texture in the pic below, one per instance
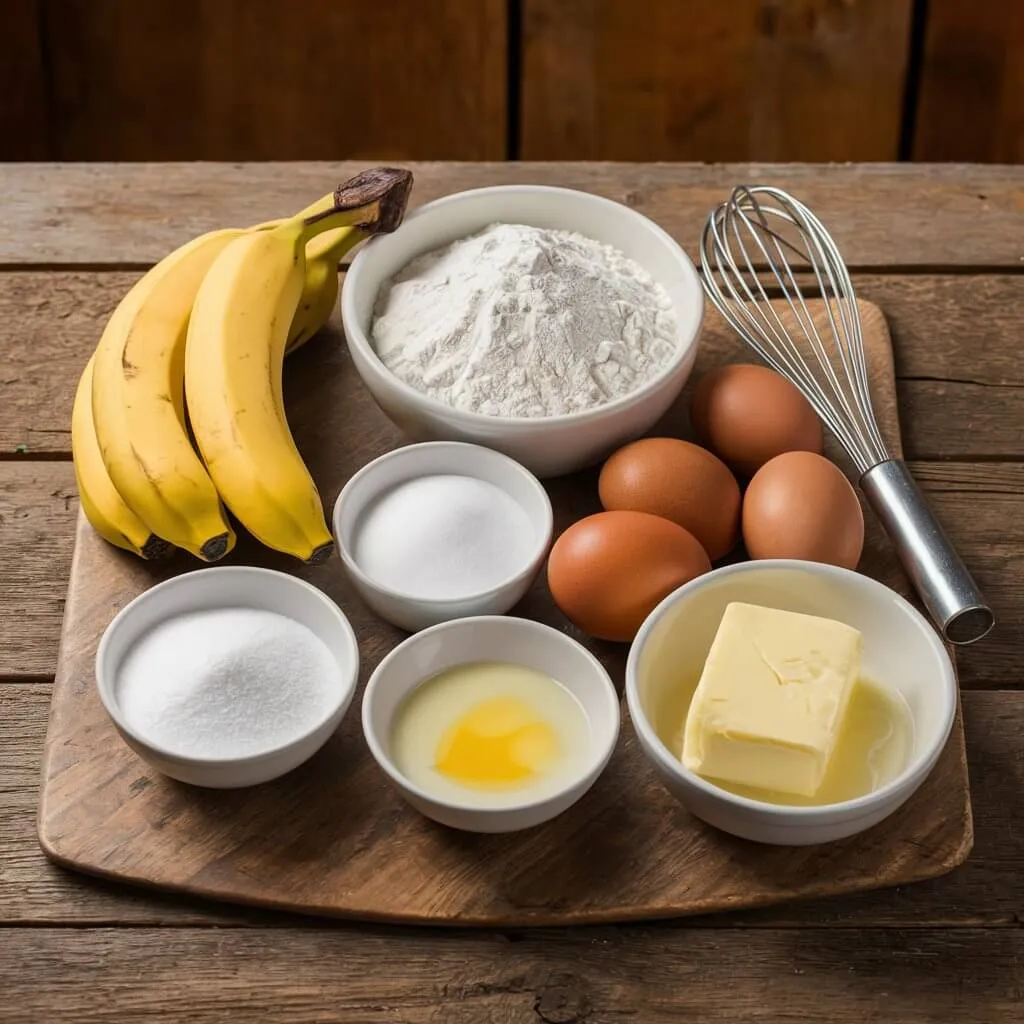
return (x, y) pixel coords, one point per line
(952, 405)
(668, 80)
(971, 102)
(49, 321)
(31, 887)
(592, 976)
(624, 851)
(987, 890)
(790, 962)
(38, 508)
(981, 505)
(882, 215)
(251, 80)
(24, 99)
(960, 385)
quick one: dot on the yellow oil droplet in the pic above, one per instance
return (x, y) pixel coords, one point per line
(497, 743)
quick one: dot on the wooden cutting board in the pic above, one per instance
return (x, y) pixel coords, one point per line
(334, 838)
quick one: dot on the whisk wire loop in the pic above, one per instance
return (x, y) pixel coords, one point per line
(744, 253)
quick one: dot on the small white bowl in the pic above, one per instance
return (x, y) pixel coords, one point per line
(549, 445)
(901, 652)
(223, 587)
(492, 638)
(413, 613)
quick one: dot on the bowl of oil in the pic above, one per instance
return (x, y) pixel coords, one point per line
(491, 723)
(898, 718)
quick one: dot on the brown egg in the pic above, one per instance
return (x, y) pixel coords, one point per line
(748, 414)
(800, 505)
(678, 481)
(608, 571)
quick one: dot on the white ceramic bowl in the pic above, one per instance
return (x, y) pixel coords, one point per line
(221, 587)
(492, 638)
(901, 651)
(439, 457)
(549, 445)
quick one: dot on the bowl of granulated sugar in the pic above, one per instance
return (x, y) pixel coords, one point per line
(442, 530)
(228, 676)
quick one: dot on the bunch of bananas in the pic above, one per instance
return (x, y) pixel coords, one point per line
(179, 415)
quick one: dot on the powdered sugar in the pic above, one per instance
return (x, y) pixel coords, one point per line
(524, 321)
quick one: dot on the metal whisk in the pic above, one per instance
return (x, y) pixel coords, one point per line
(747, 251)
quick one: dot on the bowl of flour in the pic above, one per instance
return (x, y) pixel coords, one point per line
(547, 323)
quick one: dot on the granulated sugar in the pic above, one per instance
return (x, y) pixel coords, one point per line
(443, 537)
(227, 682)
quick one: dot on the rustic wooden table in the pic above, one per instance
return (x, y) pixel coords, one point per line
(940, 248)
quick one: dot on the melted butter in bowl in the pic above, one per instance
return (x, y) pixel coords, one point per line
(873, 747)
(878, 749)
(491, 723)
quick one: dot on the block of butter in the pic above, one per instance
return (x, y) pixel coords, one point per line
(771, 699)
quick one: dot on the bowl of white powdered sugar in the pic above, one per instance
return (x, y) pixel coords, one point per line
(547, 323)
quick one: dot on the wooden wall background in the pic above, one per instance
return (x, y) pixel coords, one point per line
(765, 80)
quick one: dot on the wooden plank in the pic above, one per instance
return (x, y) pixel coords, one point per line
(951, 407)
(883, 215)
(657, 974)
(38, 507)
(250, 80)
(984, 891)
(981, 505)
(815, 80)
(961, 385)
(971, 104)
(49, 324)
(955, 419)
(24, 103)
(953, 328)
(51, 321)
(32, 888)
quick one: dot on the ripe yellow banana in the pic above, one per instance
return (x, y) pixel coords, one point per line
(104, 508)
(138, 404)
(234, 359)
(101, 502)
(320, 289)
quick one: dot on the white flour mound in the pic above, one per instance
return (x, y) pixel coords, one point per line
(524, 321)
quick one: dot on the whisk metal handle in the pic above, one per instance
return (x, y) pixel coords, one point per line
(938, 574)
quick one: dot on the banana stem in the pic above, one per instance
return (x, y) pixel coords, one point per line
(373, 201)
(325, 204)
(333, 245)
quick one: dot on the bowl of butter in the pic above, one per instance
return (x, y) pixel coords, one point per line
(790, 702)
